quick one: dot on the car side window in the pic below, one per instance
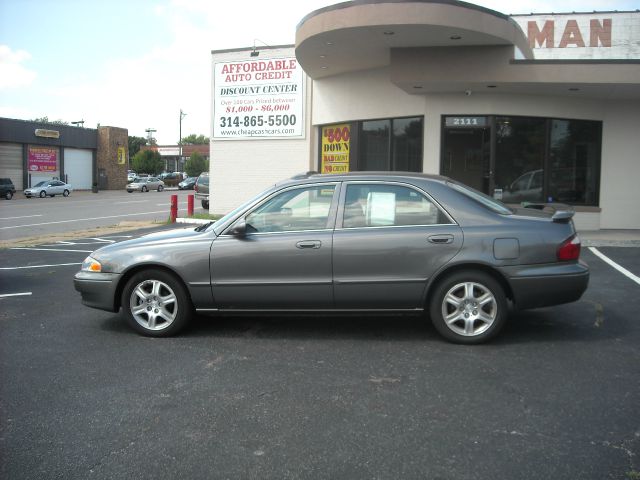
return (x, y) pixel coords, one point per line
(380, 205)
(293, 210)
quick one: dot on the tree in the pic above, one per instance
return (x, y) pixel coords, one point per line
(135, 143)
(194, 139)
(46, 120)
(196, 165)
(147, 161)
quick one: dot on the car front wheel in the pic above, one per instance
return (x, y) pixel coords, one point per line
(144, 189)
(8, 195)
(156, 304)
(468, 307)
(205, 204)
(43, 194)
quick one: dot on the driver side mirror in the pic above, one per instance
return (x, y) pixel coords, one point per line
(239, 230)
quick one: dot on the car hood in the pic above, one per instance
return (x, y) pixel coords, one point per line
(117, 256)
(165, 237)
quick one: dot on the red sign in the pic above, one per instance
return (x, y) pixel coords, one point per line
(43, 159)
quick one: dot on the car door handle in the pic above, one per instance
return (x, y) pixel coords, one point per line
(309, 244)
(440, 239)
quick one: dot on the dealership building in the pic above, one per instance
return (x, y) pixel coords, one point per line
(526, 108)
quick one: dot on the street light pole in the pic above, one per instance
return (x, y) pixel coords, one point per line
(182, 115)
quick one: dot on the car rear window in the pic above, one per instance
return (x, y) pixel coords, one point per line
(485, 200)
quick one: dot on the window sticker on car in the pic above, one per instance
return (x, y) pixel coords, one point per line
(381, 208)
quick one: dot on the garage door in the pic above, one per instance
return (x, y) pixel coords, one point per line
(78, 168)
(11, 163)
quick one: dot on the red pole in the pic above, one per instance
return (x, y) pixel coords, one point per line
(190, 205)
(174, 208)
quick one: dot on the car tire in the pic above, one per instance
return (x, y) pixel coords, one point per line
(65, 193)
(468, 307)
(8, 195)
(160, 188)
(205, 204)
(144, 189)
(43, 194)
(156, 304)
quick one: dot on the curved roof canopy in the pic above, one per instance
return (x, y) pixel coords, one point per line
(360, 34)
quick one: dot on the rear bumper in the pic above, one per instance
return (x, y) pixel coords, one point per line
(98, 290)
(535, 286)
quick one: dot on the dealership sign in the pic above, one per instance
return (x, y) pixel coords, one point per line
(258, 99)
(578, 36)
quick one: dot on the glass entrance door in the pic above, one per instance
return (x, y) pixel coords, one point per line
(466, 154)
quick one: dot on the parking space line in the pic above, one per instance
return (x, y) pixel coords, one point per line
(620, 268)
(50, 249)
(39, 266)
(24, 294)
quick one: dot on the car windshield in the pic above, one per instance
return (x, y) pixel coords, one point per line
(40, 184)
(489, 202)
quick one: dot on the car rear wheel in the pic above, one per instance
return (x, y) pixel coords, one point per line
(65, 193)
(160, 188)
(8, 195)
(205, 204)
(43, 194)
(468, 307)
(156, 304)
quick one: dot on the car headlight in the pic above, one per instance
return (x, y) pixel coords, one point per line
(91, 265)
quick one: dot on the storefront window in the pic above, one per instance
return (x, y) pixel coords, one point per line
(528, 159)
(374, 145)
(391, 145)
(520, 151)
(574, 161)
(407, 145)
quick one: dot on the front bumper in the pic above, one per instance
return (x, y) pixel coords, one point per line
(98, 290)
(535, 286)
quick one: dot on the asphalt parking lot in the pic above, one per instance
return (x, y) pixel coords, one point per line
(555, 396)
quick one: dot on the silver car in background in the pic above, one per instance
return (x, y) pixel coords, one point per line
(144, 184)
(360, 242)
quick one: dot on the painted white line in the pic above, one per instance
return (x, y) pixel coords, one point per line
(132, 201)
(50, 249)
(39, 266)
(15, 294)
(25, 216)
(621, 269)
(86, 219)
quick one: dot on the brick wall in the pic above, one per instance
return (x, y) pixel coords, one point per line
(110, 174)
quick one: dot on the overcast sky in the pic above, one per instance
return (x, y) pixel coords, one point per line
(136, 63)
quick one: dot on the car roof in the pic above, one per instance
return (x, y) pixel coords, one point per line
(365, 176)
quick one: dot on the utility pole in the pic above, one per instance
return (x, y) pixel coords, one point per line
(182, 115)
(150, 132)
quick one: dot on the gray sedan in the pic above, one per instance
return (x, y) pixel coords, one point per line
(144, 184)
(358, 242)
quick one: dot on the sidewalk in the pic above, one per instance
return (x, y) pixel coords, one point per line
(610, 238)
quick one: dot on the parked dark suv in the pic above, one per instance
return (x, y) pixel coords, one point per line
(7, 189)
(202, 189)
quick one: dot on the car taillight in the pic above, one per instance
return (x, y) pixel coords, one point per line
(195, 187)
(569, 249)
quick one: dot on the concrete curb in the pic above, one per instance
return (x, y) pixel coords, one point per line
(198, 221)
